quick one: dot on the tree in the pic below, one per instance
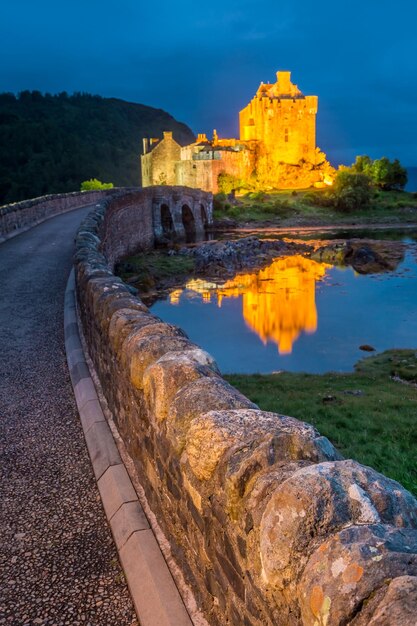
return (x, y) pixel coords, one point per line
(362, 164)
(387, 175)
(93, 185)
(383, 173)
(352, 190)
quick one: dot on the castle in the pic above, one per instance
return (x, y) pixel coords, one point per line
(276, 149)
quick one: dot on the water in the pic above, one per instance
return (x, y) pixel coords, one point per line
(298, 315)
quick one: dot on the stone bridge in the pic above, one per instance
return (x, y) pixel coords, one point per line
(181, 212)
(166, 212)
(265, 522)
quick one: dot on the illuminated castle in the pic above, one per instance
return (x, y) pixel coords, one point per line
(276, 149)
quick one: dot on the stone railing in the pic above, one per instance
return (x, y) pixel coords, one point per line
(19, 216)
(267, 522)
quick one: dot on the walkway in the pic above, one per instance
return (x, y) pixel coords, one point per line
(58, 564)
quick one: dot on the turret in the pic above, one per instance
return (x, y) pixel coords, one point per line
(284, 82)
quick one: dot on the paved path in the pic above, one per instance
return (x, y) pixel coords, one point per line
(58, 564)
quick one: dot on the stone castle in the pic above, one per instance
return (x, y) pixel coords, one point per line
(276, 149)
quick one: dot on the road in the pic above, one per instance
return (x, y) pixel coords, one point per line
(58, 564)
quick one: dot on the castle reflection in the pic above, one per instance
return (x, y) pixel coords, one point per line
(278, 301)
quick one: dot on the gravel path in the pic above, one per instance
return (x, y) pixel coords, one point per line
(58, 564)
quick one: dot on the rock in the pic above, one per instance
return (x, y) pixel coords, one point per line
(395, 602)
(197, 398)
(146, 349)
(366, 348)
(226, 257)
(173, 371)
(365, 256)
(372, 257)
(345, 570)
(319, 500)
(211, 434)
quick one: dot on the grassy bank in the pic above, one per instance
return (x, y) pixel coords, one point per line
(367, 415)
(299, 208)
(146, 271)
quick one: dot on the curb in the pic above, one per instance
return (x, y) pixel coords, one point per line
(155, 596)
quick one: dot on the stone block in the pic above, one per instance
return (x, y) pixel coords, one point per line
(197, 398)
(319, 500)
(393, 603)
(145, 349)
(91, 413)
(123, 322)
(102, 448)
(153, 590)
(215, 432)
(163, 379)
(84, 391)
(115, 489)
(79, 371)
(127, 520)
(345, 570)
(70, 316)
(72, 343)
(74, 357)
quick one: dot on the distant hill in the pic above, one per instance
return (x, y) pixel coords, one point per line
(412, 179)
(50, 144)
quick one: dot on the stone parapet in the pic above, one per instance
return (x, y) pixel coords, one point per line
(269, 525)
(20, 216)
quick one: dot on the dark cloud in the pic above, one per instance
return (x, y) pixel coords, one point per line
(202, 62)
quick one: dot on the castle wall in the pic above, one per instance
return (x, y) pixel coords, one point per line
(203, 173)
(158, 166)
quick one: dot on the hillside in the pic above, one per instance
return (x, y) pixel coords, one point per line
(412, 179)
(51, 144)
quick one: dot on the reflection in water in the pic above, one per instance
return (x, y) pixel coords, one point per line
(278, 301)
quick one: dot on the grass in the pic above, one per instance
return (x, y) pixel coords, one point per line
(145, 271)
(303, 208)
(367, 415)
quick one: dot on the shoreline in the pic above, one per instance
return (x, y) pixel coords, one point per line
(268, 227)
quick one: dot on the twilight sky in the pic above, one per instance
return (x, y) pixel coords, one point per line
(203, 61)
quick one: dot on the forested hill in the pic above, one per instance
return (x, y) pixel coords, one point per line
(50, 144)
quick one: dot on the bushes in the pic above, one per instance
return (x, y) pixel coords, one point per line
(383, 173)
(351, 190)
(220, 202)
(95, 185)
(318, 198)
(228, 183)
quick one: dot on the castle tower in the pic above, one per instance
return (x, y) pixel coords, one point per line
(283, 120)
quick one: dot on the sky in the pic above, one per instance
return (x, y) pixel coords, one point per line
(203, 61)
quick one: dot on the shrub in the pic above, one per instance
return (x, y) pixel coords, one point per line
(258, 196)
(351, 190)
(317, 198)
(94, 185)
(228, 183)
(219, 201)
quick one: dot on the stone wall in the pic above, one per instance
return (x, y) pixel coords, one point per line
(19, 216)
(268, 524)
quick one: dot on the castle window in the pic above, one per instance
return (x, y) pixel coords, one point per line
(286, 135)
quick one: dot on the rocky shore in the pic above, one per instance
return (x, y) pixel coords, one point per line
(224, 258)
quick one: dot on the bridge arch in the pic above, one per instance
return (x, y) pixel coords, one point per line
(189, 224)
(203, 215)
(167, 223)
